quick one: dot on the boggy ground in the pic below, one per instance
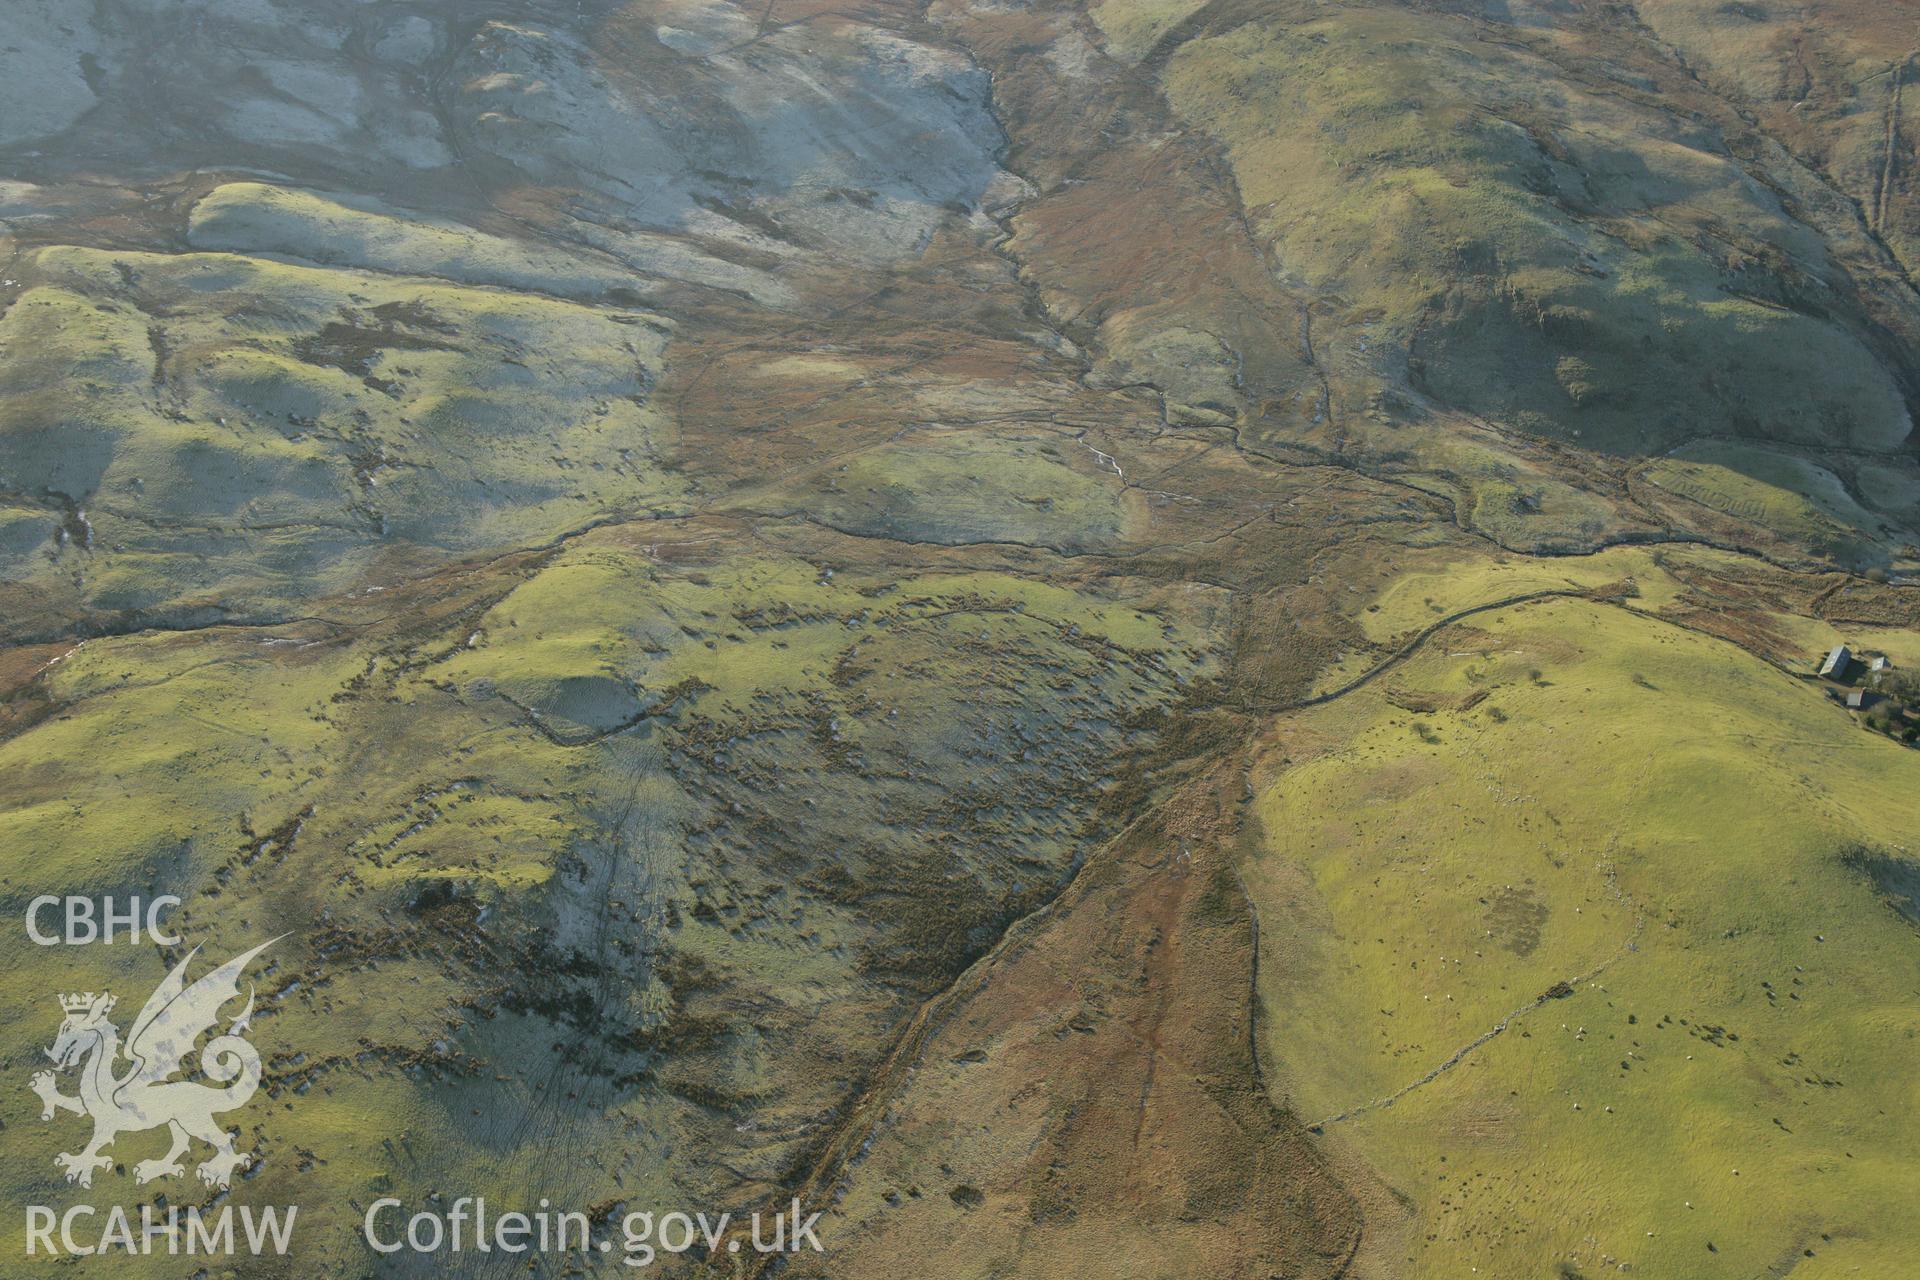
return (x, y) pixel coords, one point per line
(1072, 631)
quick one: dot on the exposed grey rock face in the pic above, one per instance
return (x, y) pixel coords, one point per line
(153, 86)
(677, 117)
(43, 68)
(847, 138)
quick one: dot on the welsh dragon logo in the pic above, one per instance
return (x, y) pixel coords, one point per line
(145, 1096)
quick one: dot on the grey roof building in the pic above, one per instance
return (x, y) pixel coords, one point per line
(1837, 662)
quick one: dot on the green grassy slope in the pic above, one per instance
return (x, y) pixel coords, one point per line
(1672, 830)
(539, 846)
(238, 432)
